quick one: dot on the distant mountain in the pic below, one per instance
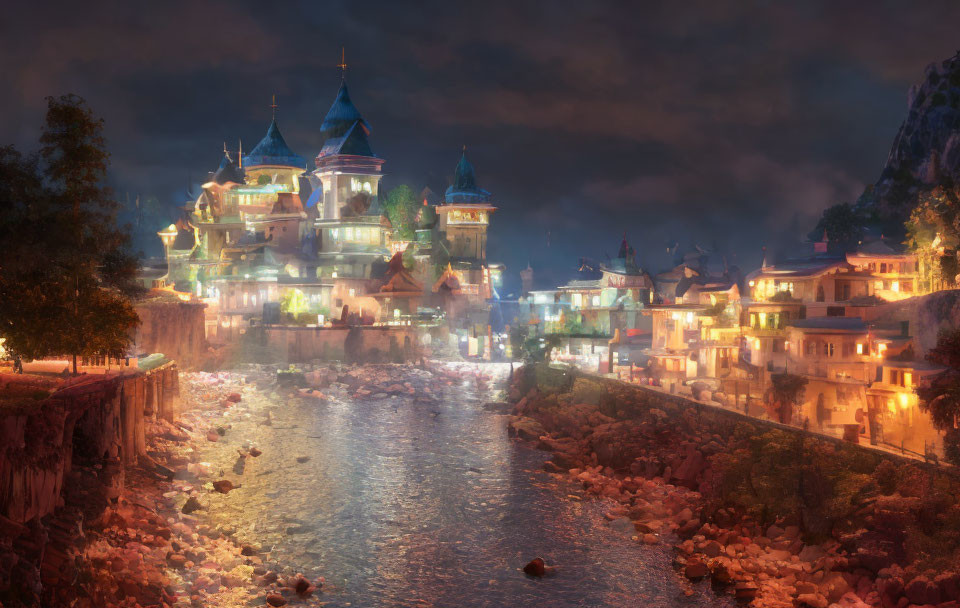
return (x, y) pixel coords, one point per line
(926, 150)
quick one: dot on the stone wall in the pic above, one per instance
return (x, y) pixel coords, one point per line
(926, 315)
(356, 344)
(174, 328)
(94, 418)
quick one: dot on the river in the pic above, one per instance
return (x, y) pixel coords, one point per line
(398, 502)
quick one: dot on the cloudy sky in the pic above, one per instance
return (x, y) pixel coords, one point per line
(730, 124)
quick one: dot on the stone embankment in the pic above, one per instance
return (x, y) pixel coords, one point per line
(777, 518)
(66, 447)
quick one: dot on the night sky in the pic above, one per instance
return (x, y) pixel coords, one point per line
(731, 124)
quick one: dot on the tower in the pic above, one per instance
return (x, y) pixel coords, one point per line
(465, 213)
(346, 167)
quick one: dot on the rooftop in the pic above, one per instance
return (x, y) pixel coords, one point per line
(273, 150)
(464, 188)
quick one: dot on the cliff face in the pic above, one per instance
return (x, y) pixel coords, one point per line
(98, 420)
(926, 150)
(173, 328)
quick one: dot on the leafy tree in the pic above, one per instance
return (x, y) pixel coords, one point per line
(401, 208)
(933, 234)
(786, 392)
(537, 349)
(843, 224)
(941, 396)
(67, 284)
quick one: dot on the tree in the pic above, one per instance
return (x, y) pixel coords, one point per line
(68, 275)
(941, 396)
(786, 392)
(401, 208)
(843, 224)
(933, 234)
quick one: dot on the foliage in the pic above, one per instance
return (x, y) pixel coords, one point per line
(933, 234)
(401, 208)
(537, 349)
(69, 288)
(786, 391)
(940, 397)
(843, 224)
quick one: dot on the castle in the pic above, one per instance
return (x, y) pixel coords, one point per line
(269, 239)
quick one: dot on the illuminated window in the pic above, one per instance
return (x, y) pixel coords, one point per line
(595, 301)
(352, 292)
(348, 233)
(577, 300)
(895, 285)
(859, 348)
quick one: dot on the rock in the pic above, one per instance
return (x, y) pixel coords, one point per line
(651, 539)
(223, 486)
(812, 600)
(275, 599)
(746, 591)
(176, 560)
(536, 567)
(191, 505)
(695, 570)
(213, 436)
(526, 428)
(720, 572)
(922, 590)
(255, 452)
(234, 397)
(248, 550)
(949, 583)
(303, 588)
(712, 549)
(302, 459)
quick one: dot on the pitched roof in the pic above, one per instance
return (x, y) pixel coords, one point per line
(228, 172)
(273, 150)
(353, 142)
(399, 280)
(464, 188)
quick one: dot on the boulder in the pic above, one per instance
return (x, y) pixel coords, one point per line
(695, 570)
(922, 590)
(536, 567)
(276, 600)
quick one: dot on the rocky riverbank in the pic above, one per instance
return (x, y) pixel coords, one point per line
(773, 518)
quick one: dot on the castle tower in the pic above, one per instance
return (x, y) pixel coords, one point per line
(347, 169)
(465, 213)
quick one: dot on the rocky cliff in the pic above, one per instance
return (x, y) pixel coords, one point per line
(926, 150)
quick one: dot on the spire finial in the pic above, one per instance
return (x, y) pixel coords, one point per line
(273, 106)
(464, 148)
(224, 148)
(240, 153)
(343, 63)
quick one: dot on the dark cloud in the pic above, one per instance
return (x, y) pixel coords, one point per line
(729, 123)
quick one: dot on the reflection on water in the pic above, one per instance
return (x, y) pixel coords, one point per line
(412, 504)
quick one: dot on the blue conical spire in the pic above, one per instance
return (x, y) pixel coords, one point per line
(273, 150)
(464, 188)
(342, 115)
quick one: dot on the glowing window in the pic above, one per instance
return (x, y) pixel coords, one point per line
(352, 292)
(859, 348)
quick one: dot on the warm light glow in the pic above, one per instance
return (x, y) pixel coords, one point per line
(859, 348)
(756, 343)
(904, 400)
(908, 379)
